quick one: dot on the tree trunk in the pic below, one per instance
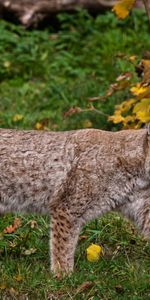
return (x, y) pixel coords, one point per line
(31, 12)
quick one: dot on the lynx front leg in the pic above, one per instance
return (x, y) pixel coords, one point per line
(63, 239)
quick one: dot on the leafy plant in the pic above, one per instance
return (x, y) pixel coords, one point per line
(135, 111)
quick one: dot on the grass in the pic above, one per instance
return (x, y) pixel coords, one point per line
(123, 272)
(42, 75)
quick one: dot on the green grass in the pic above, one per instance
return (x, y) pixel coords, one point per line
(123, 272)
(42, 75)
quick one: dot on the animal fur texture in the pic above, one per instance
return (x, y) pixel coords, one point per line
(74, 177)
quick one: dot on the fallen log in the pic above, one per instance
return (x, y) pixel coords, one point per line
(31, 12)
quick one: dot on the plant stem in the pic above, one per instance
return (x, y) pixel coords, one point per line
(147, 8)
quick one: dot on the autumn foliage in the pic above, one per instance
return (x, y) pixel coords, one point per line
(135, 111)
(123, 7)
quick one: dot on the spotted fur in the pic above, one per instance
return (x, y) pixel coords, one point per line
(75, 176)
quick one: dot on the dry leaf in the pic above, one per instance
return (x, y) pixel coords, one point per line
(12, 228)
(13, 293)
(119, 289)
(124, 76)
(122, 8)
(12, 244)
(29, 251)
(3, 286)
(83, 237)
(138, 89)
(116, 118)
(18, 277)
(17, 117)
(38, 126)
(87, 124)
(84, 286)
(9, 229)
(33, 224)
(146, 71)
(93, 252)
(132, 58)
(142, 110)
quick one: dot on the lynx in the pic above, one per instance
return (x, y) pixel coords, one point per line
(74, 177)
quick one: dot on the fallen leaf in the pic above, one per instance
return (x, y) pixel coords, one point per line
(87, 124)
(38, 126)
(9, 229)
(84, 286)
(17, 117)
(17, 222)
(3, 286)
(83, 237)
(132, 58)
(124, 76)
(122, 8)
(18, 277)
(12, 244)
(119, 289)
(94, 252)
(33, 223)
(13, 292)
(12, 228)
(29, 251)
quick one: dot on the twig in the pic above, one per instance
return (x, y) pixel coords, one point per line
(101, 98)
(92, 108)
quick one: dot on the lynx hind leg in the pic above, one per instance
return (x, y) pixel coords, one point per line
(138, 211)
(144, 223)
(63, 239)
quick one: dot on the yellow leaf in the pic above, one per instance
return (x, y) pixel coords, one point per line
(130, 118)
(124, 106)
(122, 8)
(3, 286)
(129, 102)
(116, 118)
(87, 124)
(93, 252)
(138, 89)
(132, 58)
(18, 277)
(38, 126)
(17, 117)
(142, 110)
